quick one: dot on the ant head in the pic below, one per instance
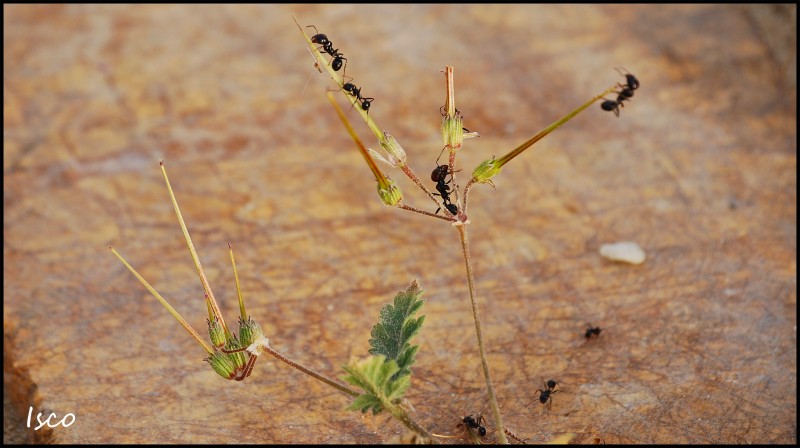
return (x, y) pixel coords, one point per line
(439, 173)
(551, 384)
(452, 209)
(633, 83)
(365, 103)
(318, 38)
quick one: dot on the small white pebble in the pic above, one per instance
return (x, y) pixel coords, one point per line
(626, 251)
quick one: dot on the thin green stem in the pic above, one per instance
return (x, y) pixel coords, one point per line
(195, 258)
(462, 231)
(400, 414)
(307, 371)
(516, 151)
(166, 304)
(396, 411)
(242, 311)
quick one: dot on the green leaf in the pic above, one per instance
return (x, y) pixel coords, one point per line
(392, 335)
(374, 376)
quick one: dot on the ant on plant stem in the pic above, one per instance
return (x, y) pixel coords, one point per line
(626, 93)
(338, 60)
(439, 175)
(356, 92)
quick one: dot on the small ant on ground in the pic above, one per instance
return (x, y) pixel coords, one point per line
(475, 423)
(545, 394)
(468, 422)
(592, 331)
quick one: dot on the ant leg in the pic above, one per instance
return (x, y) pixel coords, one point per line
(550, 401)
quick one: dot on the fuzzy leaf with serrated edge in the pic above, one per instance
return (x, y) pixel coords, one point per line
(391, 336)
(374, 376)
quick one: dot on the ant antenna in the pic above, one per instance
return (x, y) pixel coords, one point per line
(440, 154)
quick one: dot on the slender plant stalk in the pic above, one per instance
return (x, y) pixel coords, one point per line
(307, 371)
(498, 420)
(166, 304)
(419, 183)
(195, 258)
(413, 209)
(396, 411)
(400, 414)
(462, 231)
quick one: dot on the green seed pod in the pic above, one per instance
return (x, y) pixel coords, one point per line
(397, 155)
(389, 192)
(222, 364)
(238, 358)
(486, 171)
(216, 332)
(453, 131)
(249, 332)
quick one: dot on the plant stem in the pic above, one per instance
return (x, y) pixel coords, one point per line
(195, 258)
(166, 304)
(413, 209)
(400, 414)
(408, 172)
(396, 411)
(307, 371)
(498, 420)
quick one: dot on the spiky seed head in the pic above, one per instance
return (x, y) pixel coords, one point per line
(486, 171)
(249, 332)
(453, 131)
(389, 192)
(216, 332)
(222, 364)
(397, 155)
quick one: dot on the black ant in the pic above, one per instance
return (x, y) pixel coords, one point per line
(444, 192)
(546, 394)
(438, 175)
(631, 80)
(592, 331)
(356, 92)
(475, 423)
(632, 83)
(338, 60)
(318, 38)
(611, 105)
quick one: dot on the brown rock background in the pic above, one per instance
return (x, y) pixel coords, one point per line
(700, 170)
